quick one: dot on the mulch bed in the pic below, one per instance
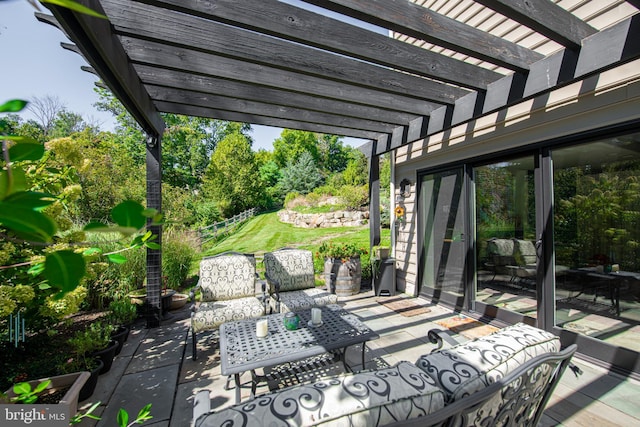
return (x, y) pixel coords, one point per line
(404, 306)
(41, 355)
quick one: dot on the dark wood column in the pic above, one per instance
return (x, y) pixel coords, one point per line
(154, 256)
(374, 200)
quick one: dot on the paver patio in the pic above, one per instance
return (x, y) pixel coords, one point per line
(155, 367)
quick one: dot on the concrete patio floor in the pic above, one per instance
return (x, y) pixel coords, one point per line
(155, 366)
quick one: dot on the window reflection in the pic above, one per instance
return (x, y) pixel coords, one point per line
(505, 235)
(597, 239)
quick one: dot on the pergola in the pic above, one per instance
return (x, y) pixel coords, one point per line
(275, 63)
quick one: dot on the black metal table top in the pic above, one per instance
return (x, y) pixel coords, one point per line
(241, 350)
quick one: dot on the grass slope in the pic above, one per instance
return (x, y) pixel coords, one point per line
(265, 233)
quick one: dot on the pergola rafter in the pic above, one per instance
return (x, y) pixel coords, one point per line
(275, 63)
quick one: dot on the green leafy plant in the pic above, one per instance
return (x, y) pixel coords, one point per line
(340, 250)
(54, 266)
(122, 312)
(26, 394)
(123, 416)
(95, 337)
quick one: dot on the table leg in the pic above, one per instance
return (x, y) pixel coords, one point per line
(364, 346)
(254, 383)
(236, 379)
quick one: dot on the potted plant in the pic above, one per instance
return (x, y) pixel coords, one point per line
(342, 267)
(68, 386)
(122, 315)
(96, 341)
(81, 361)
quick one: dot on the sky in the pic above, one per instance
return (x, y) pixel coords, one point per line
(34, 64)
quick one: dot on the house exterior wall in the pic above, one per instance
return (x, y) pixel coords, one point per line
(605, 99)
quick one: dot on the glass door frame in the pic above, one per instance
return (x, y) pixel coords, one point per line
(480, 309)
(445, 298)
(604, 354)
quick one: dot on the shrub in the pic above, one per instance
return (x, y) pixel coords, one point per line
(292, 199)
(354, 196)
(178, 252)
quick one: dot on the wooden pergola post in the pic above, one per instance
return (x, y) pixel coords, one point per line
(154, 256)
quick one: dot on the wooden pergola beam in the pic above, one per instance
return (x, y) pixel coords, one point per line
(422, 23)
(545, 17)
(291, 23)
(184, 80)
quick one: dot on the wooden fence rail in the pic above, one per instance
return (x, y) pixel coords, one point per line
(225, 227)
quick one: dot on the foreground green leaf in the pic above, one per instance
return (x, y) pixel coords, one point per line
(13, 106)
(123, 418)
(27, 223)
(64, 269)
(116, 258)
(30, 199)
(26, 149)
(69, 4)
(12, 183)
(22, 388)
(129, 214)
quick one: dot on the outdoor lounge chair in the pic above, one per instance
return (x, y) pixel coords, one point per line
(228, 283)
(291, 279)
(502, 379)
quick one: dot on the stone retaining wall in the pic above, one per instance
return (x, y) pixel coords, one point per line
(324, 220)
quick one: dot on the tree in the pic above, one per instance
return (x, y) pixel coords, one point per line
(301, 177)
(231, 179)
(333, 155)
(187, 145)
(65, 123)
(291, 144)
(357, 170)
(46, 109)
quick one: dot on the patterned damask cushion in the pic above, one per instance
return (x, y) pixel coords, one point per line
(227, 276)
(524, 252)
(469, 367)
(371, 398)
(210, 315)
(292, 268)
(306, 298)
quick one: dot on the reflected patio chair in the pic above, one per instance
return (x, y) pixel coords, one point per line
(229, 284)
(291, 278)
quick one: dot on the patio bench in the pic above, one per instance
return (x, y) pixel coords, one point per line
(228, 283)
(505, 378)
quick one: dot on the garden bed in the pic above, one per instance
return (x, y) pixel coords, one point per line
(42, 354)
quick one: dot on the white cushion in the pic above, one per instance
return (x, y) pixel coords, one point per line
(467, 368)
(210, 315)
(368, 398)
(303, 299)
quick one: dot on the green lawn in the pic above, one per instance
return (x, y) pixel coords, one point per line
(265, 233)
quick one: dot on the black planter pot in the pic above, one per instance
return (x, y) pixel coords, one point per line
(120, 335)
(89, 387)
(106, 355)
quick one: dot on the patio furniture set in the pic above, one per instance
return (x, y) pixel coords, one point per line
(228, 284)
(505, 378)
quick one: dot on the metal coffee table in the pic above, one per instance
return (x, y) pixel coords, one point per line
(242, 351)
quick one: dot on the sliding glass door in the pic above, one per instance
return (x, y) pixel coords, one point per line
(596, 193)
(442, 206)
(506, 243)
